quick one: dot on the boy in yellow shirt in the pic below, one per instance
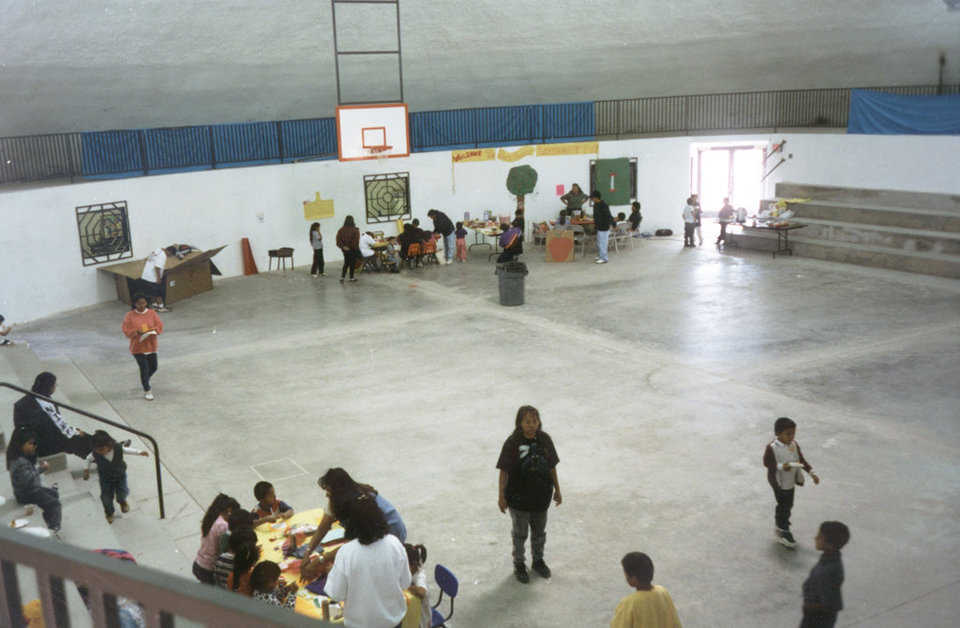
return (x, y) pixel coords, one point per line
(651, 606)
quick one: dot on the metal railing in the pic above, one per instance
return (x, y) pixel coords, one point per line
(163, 597)
(798, 108)
(176, 149)
(97, 417)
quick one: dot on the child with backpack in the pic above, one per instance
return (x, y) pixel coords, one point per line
(528, 480)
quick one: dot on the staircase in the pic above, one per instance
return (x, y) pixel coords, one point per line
(910, 231)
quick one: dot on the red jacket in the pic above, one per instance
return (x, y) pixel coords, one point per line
(135, 323)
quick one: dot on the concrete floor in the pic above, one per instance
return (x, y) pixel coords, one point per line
(658, 376)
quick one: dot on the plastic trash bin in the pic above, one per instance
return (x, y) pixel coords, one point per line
(511, 275)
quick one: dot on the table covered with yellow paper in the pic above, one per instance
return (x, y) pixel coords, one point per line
(271, 537)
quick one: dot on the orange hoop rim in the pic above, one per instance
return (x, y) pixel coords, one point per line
(379, 149)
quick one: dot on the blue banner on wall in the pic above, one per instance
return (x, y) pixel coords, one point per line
(888, 114)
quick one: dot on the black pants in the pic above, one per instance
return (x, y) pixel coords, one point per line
(48, 499)
(818, 620)
(203, 575)
(723, 233)
(317, 262)
(784, 506)
(349, 262)
(688, 228)
(148, 366)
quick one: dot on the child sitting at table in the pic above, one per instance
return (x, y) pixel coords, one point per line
(266, 585)
(239, 519)
(391, 259)
(268, 507)
(461, 234)
(417, 557)
(233, 568)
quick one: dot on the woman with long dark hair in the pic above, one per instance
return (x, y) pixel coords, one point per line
(342, 491)
(348, 239)
(316, 241)
(371, 571)
(54, 434)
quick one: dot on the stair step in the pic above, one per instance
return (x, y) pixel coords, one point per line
(865, 255)
(894, 238)
(925, 220)
(949, 203)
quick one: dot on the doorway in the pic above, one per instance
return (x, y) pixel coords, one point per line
(727, 170)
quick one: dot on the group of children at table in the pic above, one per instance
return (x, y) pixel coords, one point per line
(229, 554)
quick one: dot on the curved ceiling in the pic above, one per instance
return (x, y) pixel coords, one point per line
(73, 65)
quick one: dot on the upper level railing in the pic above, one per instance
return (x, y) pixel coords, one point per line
(163, 597)
(140, 152)
(121, 426)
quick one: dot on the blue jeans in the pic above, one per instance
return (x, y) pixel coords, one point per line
(603, 239)
(449, 245)
(110, 490)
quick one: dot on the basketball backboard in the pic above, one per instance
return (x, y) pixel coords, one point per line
(372, 132)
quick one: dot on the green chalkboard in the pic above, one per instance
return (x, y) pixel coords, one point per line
(612, 180)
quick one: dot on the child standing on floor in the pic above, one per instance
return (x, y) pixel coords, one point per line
(528, 479)
(651, 605)
(212, 527)
(461, 234)
(821, 591)
(266, 586)
(417, 558)
(142, 326)
(25, 477)
(785, 465)
(316, 242)
(108, 456)
(268, 507)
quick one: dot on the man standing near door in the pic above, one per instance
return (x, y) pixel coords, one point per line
(601, 220)
(725, 217)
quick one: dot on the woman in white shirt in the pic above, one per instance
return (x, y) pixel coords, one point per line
(366, 248)
(371, 571)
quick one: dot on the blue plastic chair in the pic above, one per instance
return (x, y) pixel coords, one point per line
(448, 584)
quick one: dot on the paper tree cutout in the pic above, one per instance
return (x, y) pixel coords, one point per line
(318, 208)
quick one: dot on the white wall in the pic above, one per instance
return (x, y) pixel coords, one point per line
(40, 261)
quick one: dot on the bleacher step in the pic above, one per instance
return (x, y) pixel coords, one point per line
(871, 197)
(894, 238)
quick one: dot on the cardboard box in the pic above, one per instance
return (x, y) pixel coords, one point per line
(185, 277)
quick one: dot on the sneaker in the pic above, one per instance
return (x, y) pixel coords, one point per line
(520, 571)
(148, 396)
(353, 279)
(600, 261)
(541, 568)
(109, 518)
(124, 507)
(786, 539)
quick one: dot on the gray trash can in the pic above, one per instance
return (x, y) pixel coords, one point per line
(511, 276)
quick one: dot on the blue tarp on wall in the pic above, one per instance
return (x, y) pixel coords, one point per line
(888, 114)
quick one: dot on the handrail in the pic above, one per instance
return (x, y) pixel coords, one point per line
(163, 596)
(97, 417)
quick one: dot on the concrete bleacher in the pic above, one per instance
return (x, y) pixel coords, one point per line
(910, 231)
(141, 532)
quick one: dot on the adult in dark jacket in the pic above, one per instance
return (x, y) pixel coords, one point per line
(443, 226)
(601, 220)
(348, 240)
(635, 217)
(405, 239)
(43, 418)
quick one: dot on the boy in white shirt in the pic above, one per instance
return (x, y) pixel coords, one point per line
(785, 465)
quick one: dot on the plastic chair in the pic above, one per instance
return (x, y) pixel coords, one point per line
(448, 584)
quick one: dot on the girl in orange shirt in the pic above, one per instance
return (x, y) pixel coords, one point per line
(142, 326)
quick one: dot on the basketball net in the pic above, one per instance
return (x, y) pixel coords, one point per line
(380, 152)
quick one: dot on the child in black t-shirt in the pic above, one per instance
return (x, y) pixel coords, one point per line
(528, 479)
(821, 591)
